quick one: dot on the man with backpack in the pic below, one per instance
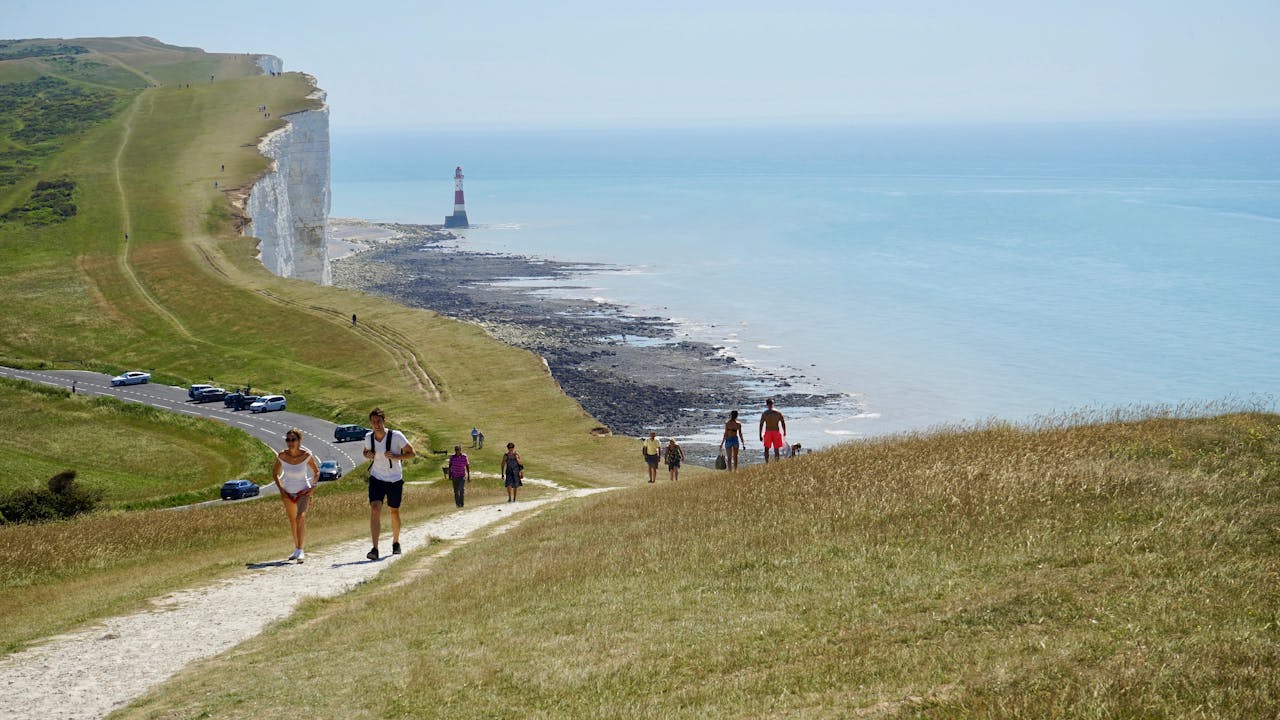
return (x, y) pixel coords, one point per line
(386, 450)
(459, 473)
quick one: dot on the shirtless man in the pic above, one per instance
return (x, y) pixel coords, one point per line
(772, 428)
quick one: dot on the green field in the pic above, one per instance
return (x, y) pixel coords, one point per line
(1099, 567)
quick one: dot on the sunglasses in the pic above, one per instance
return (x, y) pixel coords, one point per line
(291, 438)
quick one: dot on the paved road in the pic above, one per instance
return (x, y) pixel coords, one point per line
(267, 427)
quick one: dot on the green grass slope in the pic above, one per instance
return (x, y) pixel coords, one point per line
(134, 454)
(1127, 569)
(185, 295)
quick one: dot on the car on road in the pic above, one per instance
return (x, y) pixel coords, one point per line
(195, 389)
(329, 470)
(210, 395)
(239, 401)
(133, 377)
(267, 403)
(342, 433)
(236, 489)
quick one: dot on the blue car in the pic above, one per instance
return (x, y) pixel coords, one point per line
(236, 489)
(342, 433)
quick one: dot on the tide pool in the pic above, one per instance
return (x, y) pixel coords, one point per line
(933, 275)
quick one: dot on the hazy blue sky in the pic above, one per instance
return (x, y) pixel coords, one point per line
(574, 63)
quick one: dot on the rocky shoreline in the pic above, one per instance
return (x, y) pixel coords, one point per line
(634, 374)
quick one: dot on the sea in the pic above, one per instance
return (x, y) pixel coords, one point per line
(927, 275)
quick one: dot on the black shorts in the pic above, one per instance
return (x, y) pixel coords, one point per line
(391, 491)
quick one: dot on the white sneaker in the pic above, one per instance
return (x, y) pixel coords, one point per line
(297, 552)
(301, 556)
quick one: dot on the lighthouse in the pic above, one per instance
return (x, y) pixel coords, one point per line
(459, 217)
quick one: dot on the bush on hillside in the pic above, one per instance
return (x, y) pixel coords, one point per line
(61, 498)
(50, 202)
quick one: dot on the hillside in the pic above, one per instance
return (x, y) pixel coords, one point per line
(1109, 570)
(1097, 567)
(151, 272)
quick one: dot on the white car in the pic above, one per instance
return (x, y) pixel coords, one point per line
(133, 377)
(268, 403)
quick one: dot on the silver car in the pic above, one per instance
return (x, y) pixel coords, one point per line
(133, 377)
(268, 403)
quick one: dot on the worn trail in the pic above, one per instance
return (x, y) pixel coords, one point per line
(91, 672)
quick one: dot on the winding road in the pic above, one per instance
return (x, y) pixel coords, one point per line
(267, 427)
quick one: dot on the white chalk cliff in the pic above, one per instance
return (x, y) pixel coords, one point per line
(288, 207)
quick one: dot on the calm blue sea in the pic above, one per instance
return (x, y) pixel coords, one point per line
(935, 275)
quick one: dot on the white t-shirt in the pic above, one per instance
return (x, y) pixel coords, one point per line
(381, 468)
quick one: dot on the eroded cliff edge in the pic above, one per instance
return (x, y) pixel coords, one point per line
(288, 207)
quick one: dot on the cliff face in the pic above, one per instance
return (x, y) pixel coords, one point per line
(288, 207)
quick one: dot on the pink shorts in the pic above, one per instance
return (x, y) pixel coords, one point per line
(773, 439)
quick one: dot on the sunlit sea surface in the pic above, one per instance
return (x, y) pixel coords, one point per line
(931, 275)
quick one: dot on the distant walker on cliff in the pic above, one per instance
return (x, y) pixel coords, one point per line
(459, 217)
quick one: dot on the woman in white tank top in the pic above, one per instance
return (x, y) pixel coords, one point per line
(296, 475)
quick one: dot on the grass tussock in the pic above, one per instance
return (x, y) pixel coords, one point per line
(1126, 569)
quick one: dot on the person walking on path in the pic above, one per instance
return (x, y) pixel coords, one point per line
(459, 473)
(732, 441)
(296, 474)
(512, 472)
(773, 427)
(674, 456)
(386, 452)
(651, 449)
(475, 437)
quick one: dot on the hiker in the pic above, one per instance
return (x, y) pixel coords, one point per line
(512, 472)
(480, 441)
(296, 475)
(386, 452)
(674, 456)
(353, 319)
(459, 473)
(651, 449)
(772, 429)
(475, 436)
(732, 440)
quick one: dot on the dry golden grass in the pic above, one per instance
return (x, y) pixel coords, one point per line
(1126, 569)
(57, 575)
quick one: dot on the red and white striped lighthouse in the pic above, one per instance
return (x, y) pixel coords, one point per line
(459, 217)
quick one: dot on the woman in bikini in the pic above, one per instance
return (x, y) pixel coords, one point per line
(733, 440)
(296, 475)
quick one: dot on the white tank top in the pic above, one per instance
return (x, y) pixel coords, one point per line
(295, 478)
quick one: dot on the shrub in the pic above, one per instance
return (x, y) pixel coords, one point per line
(61, 498)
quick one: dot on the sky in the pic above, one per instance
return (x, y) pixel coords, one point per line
(591, 63)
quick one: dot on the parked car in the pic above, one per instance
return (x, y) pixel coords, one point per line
(342, 433)
(267, 403)
(191, 391)
(236, 489)
(210, 395)
(329, 470)
(133, 377)
(239, 401)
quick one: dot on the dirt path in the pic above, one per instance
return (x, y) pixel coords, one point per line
(91, 672)
(126, 268)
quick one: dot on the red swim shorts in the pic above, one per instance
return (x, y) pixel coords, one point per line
(773, 439)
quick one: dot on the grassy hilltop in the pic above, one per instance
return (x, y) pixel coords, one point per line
(1123, 567)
